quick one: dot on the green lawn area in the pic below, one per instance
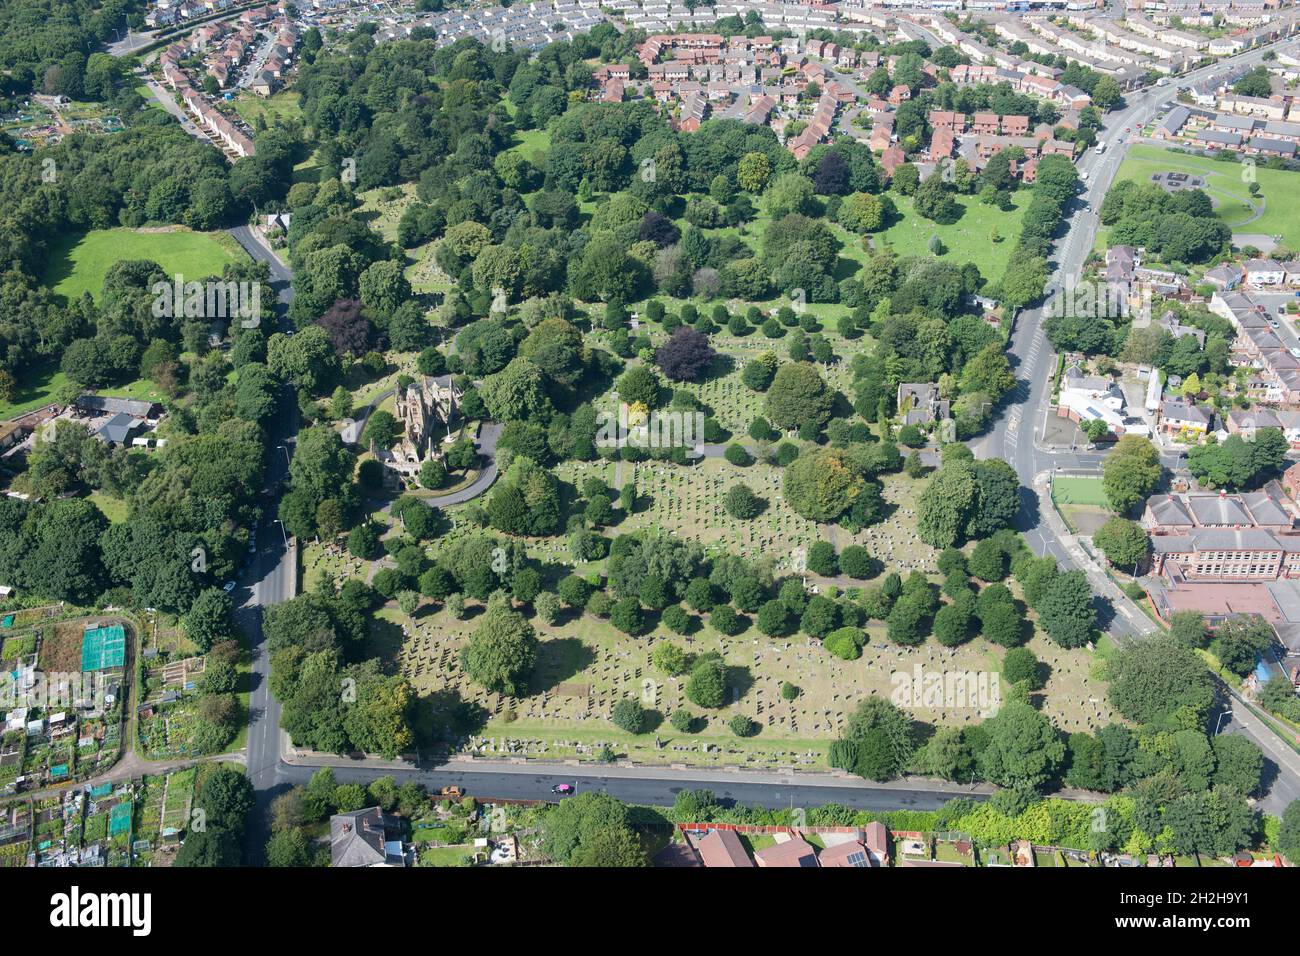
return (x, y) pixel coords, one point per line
(1079, 491)
(967, 240)
(79, 262)
(285, 105)
(530, 142)
(114, 509)
(1279, 189)
(35, 389)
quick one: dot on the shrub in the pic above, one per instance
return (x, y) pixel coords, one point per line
(683, 721)
(743, 726)
(845, 643)
(629, 715)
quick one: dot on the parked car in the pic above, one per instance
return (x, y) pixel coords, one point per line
(228, 586)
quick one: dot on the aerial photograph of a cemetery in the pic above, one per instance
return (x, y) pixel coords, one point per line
(585, 434)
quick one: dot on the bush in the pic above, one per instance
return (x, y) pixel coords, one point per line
(738, 456)
(845, 643)
(683, 721)
(788, 691)
(629, 715)
(743, 726)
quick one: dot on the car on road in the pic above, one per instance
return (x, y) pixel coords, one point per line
(1295, 353)
(1274, 324)
(564, 789)
(452, 792)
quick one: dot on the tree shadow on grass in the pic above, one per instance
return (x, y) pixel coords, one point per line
(384, 639)
(444, 717)
(739, 682)
(559, 660)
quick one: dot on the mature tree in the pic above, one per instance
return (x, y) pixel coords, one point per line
(1130, 472)
(878, 742)
(707, 685)
(1024, 750)
(686, 356)
(822, 485)
(591, 829)
(1122, 541)
(1239, 641)
(1066, 610)
(946, 504)
(797, 397)
(502, 650)
(1239, 764)
(1158, 680)
(210, 618)
(630, 716)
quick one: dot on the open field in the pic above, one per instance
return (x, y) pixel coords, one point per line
(285, 105)
(79, 262)
(969, 239)
(1279, 189)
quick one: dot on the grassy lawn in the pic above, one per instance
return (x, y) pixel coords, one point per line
(285, 105)
(79, 262)
(967, 240)
(35, 390)
(1079, 491)
(114, 509)
(531, 142)
(1279, 189)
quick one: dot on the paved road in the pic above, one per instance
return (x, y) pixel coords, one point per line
(655, 787)
(1014, 436)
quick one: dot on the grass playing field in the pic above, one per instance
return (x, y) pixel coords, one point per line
(1227, 186)
(78, 263)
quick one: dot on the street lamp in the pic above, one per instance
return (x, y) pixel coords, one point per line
(282, 531)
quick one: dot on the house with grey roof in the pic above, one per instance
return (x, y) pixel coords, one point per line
(367, 837)
(919, 403)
